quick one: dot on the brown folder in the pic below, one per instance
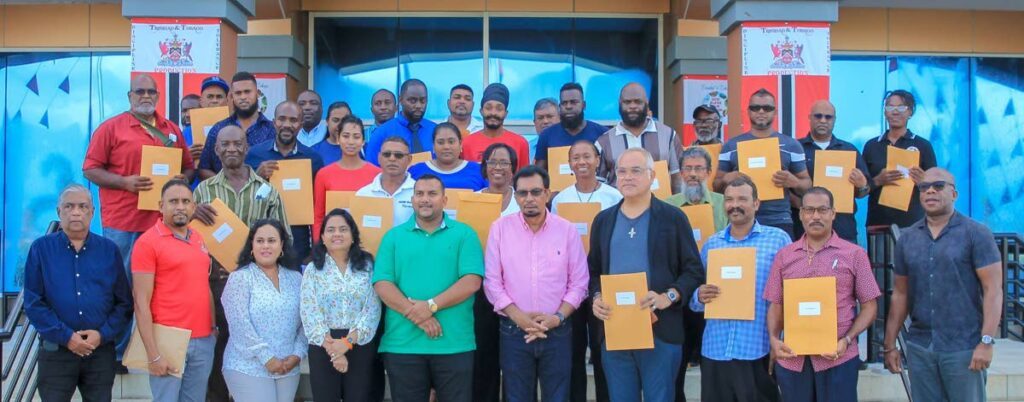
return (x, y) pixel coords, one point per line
(662, 184)
(629, 327)
(702, 222)
(734, 271)
(714, 150)
(159, 164)
(170, 341)
(559, 168)
(338, 199)
(226, 237)
(294, 181)
(899, 193)
(810, 322)
(832, 171)
(582, 215)
(421, 157)
(204, 118)
(374, 216)
(760, 159)
(452, 207)
(479, 211)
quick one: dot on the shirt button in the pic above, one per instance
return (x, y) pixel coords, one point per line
(79, 313)
(77, 275)
(79, 293)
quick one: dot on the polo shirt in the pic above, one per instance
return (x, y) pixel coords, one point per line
(876, 151)
(116, 146)
(467, 175)
(556, 136)
(771, 212)
(267, 151)
(716, 200)
(261, 131)
(400, 127)
(256, 200)
(605, 194)
(454, 252)
(473, 146)
(314, 136)
(402, 197)
(181, 285)
(658, 139)
(845, 225)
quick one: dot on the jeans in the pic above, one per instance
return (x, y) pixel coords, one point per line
(412, 376)
(936, 376)
(837, 384)
(191, 387)
(523, 363)
(261, 389)
(650, 372)
(125, 241)
(61, 371)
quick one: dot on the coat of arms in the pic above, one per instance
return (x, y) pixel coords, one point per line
(175, 52)
(787, 55)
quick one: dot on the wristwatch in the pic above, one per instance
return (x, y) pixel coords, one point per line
(561, 317)
(432, 305)
(673, 296)
(987, 340)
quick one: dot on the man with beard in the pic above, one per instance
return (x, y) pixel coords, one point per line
(637, 130)
(793, 177)
(695, 165)
(383, 107)
(494, 108)
(707, 122)
(258, 129)
(314, 128)
(460, 107)
(545, 114)
(572, 125)
(409, 125)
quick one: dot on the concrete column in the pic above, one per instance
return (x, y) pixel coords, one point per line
(274, 51)
(697, 50)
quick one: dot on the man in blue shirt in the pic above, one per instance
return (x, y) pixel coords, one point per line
(572, 127)
(77, 296)
(258, 129)
(409, 125)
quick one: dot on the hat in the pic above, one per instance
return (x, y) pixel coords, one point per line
(495, 92)
(215, 80)
(706, 109)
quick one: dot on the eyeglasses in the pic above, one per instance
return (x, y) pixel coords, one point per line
(822, 116)
(624, 172)
(145, 91)
(937, 185)
(761, 108)
(706, 122)
(695, 169)
(535, 193)
(810, 211)
(899, 108)
(499, 164)
(393, 154)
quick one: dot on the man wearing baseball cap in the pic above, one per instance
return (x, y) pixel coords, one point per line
(214, 92)
(707, 122)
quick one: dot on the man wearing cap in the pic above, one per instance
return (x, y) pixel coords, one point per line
(214, 92)
(494, 108)
(258, 128)
(707, 122)
(314, 128)
(408, 125)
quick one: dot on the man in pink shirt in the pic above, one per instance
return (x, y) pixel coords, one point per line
(536, 276)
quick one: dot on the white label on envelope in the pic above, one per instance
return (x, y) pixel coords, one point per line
(291, 184)
(625, 298)
(903, 169)
(756, 163)
(696, 235)
(222, 232)
(161, 169)
(732, 272)
(582, 228)
(809, 308)
(451, 213)
(371, 221)
(564, 169)
(833, 171)
(655, 185)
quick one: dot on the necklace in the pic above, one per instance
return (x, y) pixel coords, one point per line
(591, 194)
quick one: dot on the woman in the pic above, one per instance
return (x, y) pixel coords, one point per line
(350, 173)
(261, 303)
(449, 166)
(499, 165)
(341, 313)
(328, 148)
(583, 160)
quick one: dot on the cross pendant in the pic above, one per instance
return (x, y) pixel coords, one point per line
(632, 232)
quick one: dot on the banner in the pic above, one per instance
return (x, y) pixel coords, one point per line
(699, 90)
(786, 49)
(171, 45)
(273, 90)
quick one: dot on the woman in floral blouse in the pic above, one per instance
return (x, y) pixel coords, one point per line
(340, 313)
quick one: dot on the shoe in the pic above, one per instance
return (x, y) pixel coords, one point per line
(120, 368)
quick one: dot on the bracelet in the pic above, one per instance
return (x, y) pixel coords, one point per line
(158, 357)
(888, 350)
(848, 340)
(345, 341)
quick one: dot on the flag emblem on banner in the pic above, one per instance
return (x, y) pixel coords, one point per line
(787, 55)
(175, 52)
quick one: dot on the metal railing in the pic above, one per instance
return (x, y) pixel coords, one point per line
(881, 252)
(1012, 321)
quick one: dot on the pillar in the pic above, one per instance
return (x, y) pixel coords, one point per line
(274, 53)
(697, 69)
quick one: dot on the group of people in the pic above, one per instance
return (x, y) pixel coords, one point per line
(442, 314)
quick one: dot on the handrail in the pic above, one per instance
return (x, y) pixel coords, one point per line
(1010, 249)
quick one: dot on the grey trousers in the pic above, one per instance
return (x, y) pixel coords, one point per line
(191, 387)
(248, 388)
(938, 376)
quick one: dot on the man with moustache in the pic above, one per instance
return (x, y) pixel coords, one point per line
(314, 128)
(695, 165)
(572, 127)
(213, 92)
(707, 122)
(408, 125)
(460, 107)
(383, 107)
(545, 114)
(494, 108)
(394, 180)
(258, 128)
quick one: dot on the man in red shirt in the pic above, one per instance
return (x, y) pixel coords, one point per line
(494, 108)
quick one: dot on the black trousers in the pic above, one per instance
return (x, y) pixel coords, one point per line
(486, 365)
(737, 380)
(216, 388)
(61, 372)
(413, 375)
(693, 327)
(329, 385)
(582, 338)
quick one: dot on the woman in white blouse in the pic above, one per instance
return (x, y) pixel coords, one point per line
(340, 313)
(499, 166)
(261, 303)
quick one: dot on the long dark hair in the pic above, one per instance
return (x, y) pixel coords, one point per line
(359, 259)
(287, 258)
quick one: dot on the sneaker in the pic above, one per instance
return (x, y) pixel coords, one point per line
(120, 368)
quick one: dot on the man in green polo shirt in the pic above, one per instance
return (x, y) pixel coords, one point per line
(694, 167)
(427, 271)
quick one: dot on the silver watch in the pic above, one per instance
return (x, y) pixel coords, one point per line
(987, 340)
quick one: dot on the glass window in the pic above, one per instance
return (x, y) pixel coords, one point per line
(610, 53)
(442, 52)
(353, 58)
(997, 143)
(533, 57)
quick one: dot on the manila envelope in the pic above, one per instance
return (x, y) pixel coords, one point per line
(170, 341)
(809, 315)
(204, 118)
(452, 207)
(734, 271)
(714, 150)
(662, 184)
(294, 180)
(629, 327)
(479, 211)
(159, 164)
(899, 193)
(226, 237)
(760, 159)
(702, 222)
(421, 157)
(338, 199)
(832, 171)
(558, 167)
(374, 216)
(582, 215)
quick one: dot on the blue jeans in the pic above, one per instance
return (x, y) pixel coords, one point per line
(523, 363)
(650, 372)
(191, 387)
(125, 241)
(936, 376)
(837, 384)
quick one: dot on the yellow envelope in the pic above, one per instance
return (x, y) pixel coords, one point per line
(170, 341)
(159, 164)
(734, 271)
(899, 193)
(338, 199)
(760, 159)
(662, 184)
(452, 207)
(702, 222)
(629, 327)
(226, 237)
(294, 181)
(832, 171)
(374, 216)
(582, 215)
(204, 118)
(420, 157)
(479, 211)
(559, 169)
(809, 314)
(714, 150)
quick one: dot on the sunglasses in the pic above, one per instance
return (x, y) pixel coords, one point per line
(761, 108)
(820, 116)
(900, 108)
(393, 154)
(937, 185)
(143, 92)
(535, 193)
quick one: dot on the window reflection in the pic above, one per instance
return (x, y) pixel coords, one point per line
(997, 143)
(353, 58)
(442, 52)
(610, 53)
(533, 57)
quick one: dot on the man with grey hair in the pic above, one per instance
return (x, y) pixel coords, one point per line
(77, 296)
(707, 125)
(545, 114)
(694, 168)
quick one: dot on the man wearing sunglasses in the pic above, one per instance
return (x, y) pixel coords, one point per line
(394, 180)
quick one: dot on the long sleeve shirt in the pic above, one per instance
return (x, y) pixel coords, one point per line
(332, 299)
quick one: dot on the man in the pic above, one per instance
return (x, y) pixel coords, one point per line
(572, 127)
(170, 268)
(460, 109)
(263, 158)
(258, 128)
(638, 130)
(899, 108)
(214, 92)
(536, 277)
(823, 120)
(428, 335)
(383, 106)
(821, 253)
(409, 125)
(948, 277)
(707, 122)
(735, 353)
(314, 128)
(494, 109)
(394, 180)
(792, 178)
(78, 333)
(189, 102)
(545, 114)
(695, 165)
(644, 234)
(251, 198)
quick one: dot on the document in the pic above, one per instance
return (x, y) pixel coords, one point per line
(629, 327)
(421, 157)
(702, 222)
(582, 215)
(159, 164)
(479, 211)
(374, 216)
(204, 118)
(226, 237)
(559, 168)
(662, 185)
(899, 193)
(714, 150)
(294, 181)
(734, 271)
(760, 159)
(810, 315)
(832, 171)
(170, 341)
(338, 199)
(452, 207)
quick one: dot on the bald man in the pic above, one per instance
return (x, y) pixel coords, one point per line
(823, 119)
(638, 130)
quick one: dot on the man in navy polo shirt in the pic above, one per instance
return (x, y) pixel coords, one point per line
(572, 127)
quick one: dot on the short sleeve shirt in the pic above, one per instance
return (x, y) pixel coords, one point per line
(556, 136)
(876, 154)
(845, 225)
(771, 212)
(466, 176)
(473, 146)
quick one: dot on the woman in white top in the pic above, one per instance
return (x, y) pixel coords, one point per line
(583, 160)
(499, 166)
(261, 303)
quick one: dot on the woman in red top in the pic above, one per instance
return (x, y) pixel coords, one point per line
(348, 174)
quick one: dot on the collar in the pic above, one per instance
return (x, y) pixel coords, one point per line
(909, 135)
(320, 126)
(706, 199)
(67, 241)
(295, 151)
(133, 121)
(714, 141)
(408, 184)
(431, 166)
(404, 122)
(801, 244)
(651, 127)
(727, 233)
(526, 226)
(221, 180)
(954, 220)
(416, 225)
(260, 119)
(163, 230)
(808, 140)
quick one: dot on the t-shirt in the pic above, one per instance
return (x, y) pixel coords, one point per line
(467, 175)
(333, 178)
(330, 153)
(473, 146)
(630, 237)
(771, 212)
(556, 136)
(607, 195)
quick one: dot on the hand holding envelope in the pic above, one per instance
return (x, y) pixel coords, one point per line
(560, 168)
(628, 325)
(898, 193)
(761, 160)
